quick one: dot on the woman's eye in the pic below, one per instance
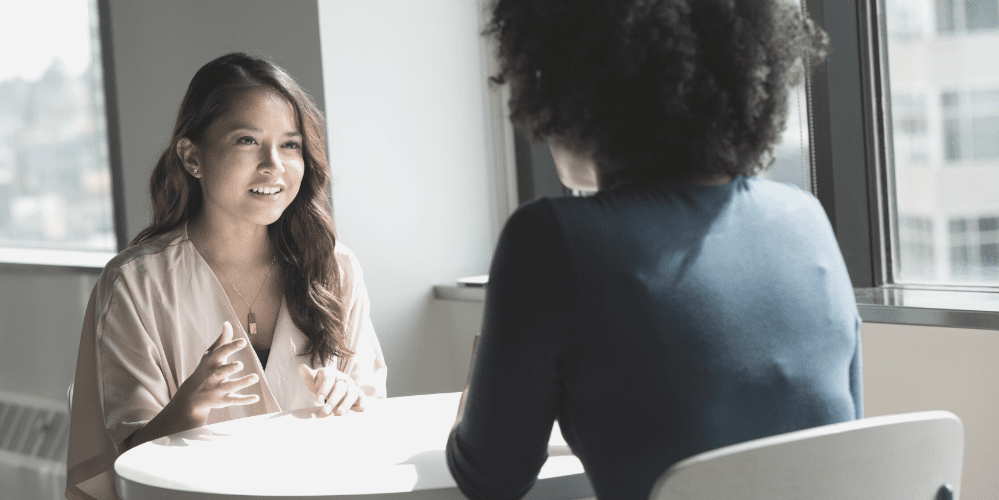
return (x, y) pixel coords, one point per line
(246, 140)
(292, 145)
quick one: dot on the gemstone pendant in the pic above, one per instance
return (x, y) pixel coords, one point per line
(251, 322)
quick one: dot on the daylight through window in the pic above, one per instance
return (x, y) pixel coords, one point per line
(55, 179)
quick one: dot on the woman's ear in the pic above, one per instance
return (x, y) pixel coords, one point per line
(188, 154)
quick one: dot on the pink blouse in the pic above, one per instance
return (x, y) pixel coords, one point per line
(156, 309)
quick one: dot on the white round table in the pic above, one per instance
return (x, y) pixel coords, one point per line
(393, 450)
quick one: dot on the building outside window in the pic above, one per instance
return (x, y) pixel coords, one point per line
(944, 102)
(974, 249)
(55, 176)
(971, 125)
(916, 247)
(961, 15)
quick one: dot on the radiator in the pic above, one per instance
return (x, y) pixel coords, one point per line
(34, 435)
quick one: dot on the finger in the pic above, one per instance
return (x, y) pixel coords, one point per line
(222, 353)
(359, 405)
(221, 338)
(325, 385)
(233, 399)
(348, 400)
(227, 331)
(224, 371)
(335, 396)
(240, 383)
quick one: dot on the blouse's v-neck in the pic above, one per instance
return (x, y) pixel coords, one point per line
(261, 354)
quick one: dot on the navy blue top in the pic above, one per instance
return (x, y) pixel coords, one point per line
(656, 322)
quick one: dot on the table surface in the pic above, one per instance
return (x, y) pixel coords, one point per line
(393, 450)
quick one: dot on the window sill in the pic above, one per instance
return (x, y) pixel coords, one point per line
(953, 308)
(911, 305)
(461, 293)
(32, 260)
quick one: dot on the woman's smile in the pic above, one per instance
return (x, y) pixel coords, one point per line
(252, 161)
(267, 191)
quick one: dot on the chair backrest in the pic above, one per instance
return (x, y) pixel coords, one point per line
(910, 456)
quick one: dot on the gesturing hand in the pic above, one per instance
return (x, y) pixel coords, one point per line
(209, 386)
(333, 387)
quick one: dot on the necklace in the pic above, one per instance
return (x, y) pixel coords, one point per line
(251, 319)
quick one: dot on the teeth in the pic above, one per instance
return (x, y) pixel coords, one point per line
(270, 190)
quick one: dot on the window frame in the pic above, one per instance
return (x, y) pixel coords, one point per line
(17, 260)
(854, 174)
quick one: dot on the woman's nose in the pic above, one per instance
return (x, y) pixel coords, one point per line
(271, 162)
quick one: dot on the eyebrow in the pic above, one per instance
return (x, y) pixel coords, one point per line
(238, 127)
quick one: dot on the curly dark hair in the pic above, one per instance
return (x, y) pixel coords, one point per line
(670, 89)
(304, 237)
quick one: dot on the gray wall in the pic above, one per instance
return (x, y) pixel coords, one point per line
(40, 315)
(158, 46)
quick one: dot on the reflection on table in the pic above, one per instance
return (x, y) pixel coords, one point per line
(394, 449)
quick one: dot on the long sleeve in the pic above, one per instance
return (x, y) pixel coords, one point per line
(513, 395)
(91, 452)
(132, 382)
(367, 365)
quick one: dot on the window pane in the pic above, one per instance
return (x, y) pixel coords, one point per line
(945, 15)
(55, 182)
(981, 14)
(988, 224)
(792, 155)
(985, 137)
(952, 139)
(944, 91)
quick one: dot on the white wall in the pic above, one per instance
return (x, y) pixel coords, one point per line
(917, 368)
(412, 150)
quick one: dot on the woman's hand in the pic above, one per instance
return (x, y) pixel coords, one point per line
(209, 386)
(333, 387)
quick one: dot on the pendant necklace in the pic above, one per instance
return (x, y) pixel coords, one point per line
(251, 319)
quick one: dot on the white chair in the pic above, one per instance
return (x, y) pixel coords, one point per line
(914, 456)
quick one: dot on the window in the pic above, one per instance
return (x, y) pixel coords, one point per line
(974, 249)
(944, 112)
(916, 247)
(971, 125)
(792, 155)
(55, 175)
(960, 15)
(911, 131)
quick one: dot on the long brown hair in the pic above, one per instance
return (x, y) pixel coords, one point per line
(303, 237)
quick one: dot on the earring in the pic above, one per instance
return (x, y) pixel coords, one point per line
(194, 171)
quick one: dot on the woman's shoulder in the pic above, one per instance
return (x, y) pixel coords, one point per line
(785, 191)
(788, 198)
(350, 267)
(157, 247)
(140, 260)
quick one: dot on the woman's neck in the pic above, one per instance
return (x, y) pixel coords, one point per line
(230, 245)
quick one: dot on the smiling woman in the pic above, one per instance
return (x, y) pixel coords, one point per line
(241, 242)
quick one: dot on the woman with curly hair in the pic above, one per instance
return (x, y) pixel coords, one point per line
(687, 305)
(241, 243)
